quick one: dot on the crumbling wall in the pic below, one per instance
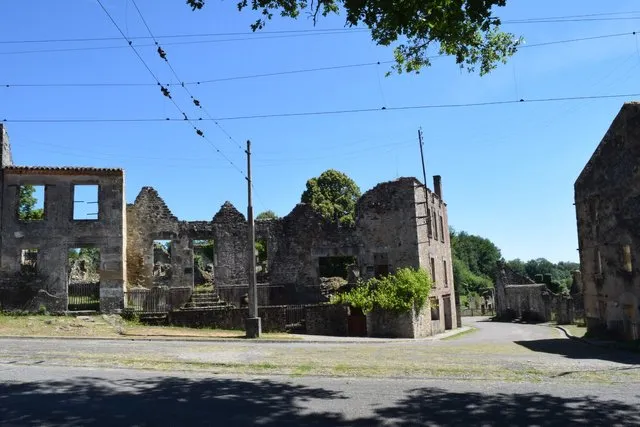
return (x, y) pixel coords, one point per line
(304, 238)
(149, 219)
(607, 200)
(54, 235)
(231, 234)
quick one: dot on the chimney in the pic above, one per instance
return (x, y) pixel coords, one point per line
(437, 185)
(5, 148)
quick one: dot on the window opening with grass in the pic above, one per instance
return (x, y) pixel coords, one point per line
(85, 202)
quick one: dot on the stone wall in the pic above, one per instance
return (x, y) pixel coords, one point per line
(414, 324)
(273, 318)
(58, 232)
(607, 200)
(327, 319)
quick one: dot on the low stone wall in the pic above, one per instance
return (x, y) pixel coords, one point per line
(267, 294)
(386, 324)
(273, 318)
(327, 320)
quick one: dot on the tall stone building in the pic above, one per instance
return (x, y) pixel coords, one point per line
(607, 200)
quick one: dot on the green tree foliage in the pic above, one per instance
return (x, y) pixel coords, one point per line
(333, 195)
(561, 276)
(266, 215)
(479, 254)
(27, 203)
(398, 292)
(464, 29)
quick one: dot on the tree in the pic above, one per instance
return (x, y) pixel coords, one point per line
(465, 29)
(478, 253)
(266, 215)
(333, 195)
(27, 203)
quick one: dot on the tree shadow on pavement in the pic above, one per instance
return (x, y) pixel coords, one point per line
(574, 349)
(220, 402)
(432, 406)
(160, 402)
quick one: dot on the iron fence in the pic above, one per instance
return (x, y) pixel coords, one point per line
(471, 312)
(84, 296)
(156, 300)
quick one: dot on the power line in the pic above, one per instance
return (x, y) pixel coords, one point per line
(335, 112)
(175, 36)
(207, 81)
(195, 101)
(89, 48)
(166, 93)
(307, 70)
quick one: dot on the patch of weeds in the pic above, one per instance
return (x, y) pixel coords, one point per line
(302, 370)
(264, 365)
(461, 334)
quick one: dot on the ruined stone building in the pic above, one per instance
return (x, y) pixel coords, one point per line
(607, 200)
(520, 297)
(398, 224)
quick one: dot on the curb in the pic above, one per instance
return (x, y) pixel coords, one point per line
(244, 340)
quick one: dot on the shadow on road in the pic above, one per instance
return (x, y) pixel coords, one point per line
(222, 402)
(429, 406)
(574, 349)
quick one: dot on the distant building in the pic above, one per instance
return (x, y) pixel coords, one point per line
(607, 200)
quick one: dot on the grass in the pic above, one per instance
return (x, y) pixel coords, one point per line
(97, 326)
(461, 334)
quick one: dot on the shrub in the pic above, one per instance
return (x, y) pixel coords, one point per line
(398, 292)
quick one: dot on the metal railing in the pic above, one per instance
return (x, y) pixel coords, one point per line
(84, 296)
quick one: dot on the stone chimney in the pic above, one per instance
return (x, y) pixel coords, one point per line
(5, 148)
(437, 185)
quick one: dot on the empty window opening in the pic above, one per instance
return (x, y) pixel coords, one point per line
(84, 278)
(203, 262)
(381, 264)
(433, 270)
(626, 258)
(29, 261)
(441, 229)
(162, 271)
(429, 225)
(335, 266)
(446, 275)
(85, 202)
(31, 202)
(435, 308)
(435, 226)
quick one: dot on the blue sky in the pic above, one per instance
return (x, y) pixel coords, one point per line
(507, 170)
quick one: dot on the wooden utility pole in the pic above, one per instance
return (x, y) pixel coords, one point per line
(424, 171)
(253, 322)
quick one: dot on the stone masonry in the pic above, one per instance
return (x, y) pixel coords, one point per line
(50, 238)
(398, 224)
(607, 200)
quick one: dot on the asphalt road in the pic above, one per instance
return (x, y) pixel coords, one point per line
(67, 396)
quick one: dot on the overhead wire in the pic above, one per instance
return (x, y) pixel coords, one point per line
(307, 70)
(195, 101)
(166, 93)
(335, 112)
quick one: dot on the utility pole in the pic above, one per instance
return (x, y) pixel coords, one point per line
(424, 171)
(253, 323)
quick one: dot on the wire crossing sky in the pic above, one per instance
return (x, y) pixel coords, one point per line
(509, 145)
